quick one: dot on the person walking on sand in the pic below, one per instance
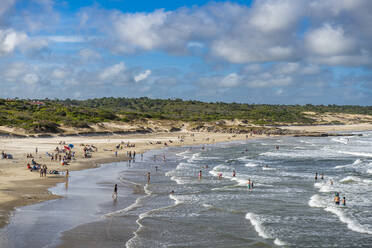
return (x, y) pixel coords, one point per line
(67, 173)
(45, 170)
(115, 195)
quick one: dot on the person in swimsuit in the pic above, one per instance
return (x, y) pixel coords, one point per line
(337, 199)
(234, 174)
(316, 175)
(200, 174)
(344, 201)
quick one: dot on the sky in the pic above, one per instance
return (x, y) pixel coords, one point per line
(259, 51)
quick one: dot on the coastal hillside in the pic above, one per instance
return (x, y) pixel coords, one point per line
(133, 115)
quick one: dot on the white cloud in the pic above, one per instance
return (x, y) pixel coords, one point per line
(140, 29)
(275, 15)
(142, 76)
(112, 71)
(9, 40)
(329, 41)
(87, 54)
(59, 73)
(286, 68)
(231, 80)
(14, 70)
(66, 39)
(31, 78)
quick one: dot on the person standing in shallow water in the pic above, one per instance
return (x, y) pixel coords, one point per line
(200, 174)
(115, 195)
(316, 175)
(337, 198)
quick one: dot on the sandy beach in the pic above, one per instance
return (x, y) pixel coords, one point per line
(20, 187)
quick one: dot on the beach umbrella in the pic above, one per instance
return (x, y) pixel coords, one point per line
(71, 145)
(68, 148)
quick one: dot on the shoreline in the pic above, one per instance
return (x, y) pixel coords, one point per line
(19, 188)
(34, 190)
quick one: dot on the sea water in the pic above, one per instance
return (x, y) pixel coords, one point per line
(286, 207)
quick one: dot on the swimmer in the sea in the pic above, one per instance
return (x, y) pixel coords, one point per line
(234, 173)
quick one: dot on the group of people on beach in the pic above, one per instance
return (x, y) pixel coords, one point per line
(337, 198)
(321, 176)
(5, 155)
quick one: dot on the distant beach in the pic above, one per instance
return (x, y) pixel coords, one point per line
(150, 215)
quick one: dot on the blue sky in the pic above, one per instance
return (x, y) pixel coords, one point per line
(262, 51)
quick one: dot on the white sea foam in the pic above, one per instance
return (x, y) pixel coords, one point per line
(316, 202)
(268, 168)
(351, 224)
(222, 167)
(175, 199)
(207, 205)
(340, 140)
(257, 224)
(323, 186)
(178, 180)
(362, 154)
(193, 157)
(350, 179)
(125, 210)
(181, 154)
(278, 242)
(251, 164)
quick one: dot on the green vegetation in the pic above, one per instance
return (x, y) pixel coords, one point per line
(48, 115)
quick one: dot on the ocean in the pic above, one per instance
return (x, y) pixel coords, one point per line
(286, 207)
